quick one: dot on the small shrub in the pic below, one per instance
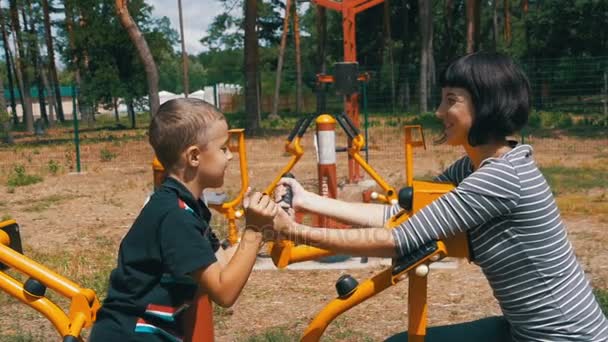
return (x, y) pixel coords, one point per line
(106, 155)
(20, 178)
(53, 167)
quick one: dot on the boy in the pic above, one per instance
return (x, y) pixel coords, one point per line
(169, 250)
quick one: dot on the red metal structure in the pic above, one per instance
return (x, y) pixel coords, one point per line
(349, 10)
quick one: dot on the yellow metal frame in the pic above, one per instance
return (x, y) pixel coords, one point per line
(236, 144)
(285, 252)
(84, 303)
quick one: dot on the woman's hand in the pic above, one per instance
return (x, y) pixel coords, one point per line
(299, 195)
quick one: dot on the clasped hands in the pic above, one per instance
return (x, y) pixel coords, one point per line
(271, 216)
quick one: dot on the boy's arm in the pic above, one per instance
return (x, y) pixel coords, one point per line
(223, 284)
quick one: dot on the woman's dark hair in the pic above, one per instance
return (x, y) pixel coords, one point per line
(500, 92)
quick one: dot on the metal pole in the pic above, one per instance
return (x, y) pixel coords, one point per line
(606, 97)
(365, 121)
(75, 119)
(184, 53)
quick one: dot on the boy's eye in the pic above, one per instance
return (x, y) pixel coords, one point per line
(451, 100)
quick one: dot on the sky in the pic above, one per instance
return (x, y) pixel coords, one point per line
(197, 15)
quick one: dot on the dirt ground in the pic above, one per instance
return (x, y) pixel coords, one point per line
(73, 223)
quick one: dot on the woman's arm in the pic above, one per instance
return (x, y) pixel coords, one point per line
(375, 242)
(357, 214)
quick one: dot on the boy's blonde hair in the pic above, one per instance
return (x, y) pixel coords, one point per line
(180, 123)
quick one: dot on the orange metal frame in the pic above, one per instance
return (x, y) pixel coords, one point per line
(349, 10)
(284, 252)
(236, 144)
(84, 304)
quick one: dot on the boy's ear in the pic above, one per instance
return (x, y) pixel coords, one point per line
(193, 156)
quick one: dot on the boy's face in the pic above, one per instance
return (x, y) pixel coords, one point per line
(214, 156)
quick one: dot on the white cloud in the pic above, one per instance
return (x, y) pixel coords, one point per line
(197, 16)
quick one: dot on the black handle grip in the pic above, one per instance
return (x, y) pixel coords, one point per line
(347, 125)
(296, 129)
(288, 197)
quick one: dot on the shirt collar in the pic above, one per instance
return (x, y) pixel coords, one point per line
(185, 195)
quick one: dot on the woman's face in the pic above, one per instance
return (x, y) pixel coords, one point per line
(456, 111)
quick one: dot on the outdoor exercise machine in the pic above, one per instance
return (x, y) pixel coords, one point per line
(415, 266)
(199, 317)
(285, 252)
(83, 301)
(347, 86)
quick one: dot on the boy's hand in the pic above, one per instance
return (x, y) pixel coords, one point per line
(282, 223)
(260, 211)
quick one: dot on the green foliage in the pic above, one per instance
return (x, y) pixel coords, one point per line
(20, 178)
(53, 167)
(106, 155)
(602, 297)
(555, 120)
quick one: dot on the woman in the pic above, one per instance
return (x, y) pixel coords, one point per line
(502, 201)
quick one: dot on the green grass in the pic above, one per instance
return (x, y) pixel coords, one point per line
(20, 178)
(276, 334)
(564, 179)
(602, 298)
(45, 203)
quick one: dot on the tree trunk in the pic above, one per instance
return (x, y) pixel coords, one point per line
(49, 92)
(495, 28)
(424, 8)
(274, 114)
(5, 120)
(35, 58)
(69, 23)
(144, 53)
(131, 111)
(28, 115)
(185, 81)
(54, 81)
(296, 35)
(507, 14)
(9, 67)
(321, 27)
(472, 25)
(449, 27)
(404, 85)
(388, 46)
(115, 105)
(251, 67)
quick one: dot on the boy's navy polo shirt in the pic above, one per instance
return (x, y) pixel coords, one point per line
(151, 285)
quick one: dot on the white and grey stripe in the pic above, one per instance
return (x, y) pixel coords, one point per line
(518, 239)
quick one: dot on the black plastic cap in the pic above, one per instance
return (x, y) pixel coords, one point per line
(34, 288)
(70, 338)
(406, 197)
(346, 285)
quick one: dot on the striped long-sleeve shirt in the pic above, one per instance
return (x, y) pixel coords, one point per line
(518, 239)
